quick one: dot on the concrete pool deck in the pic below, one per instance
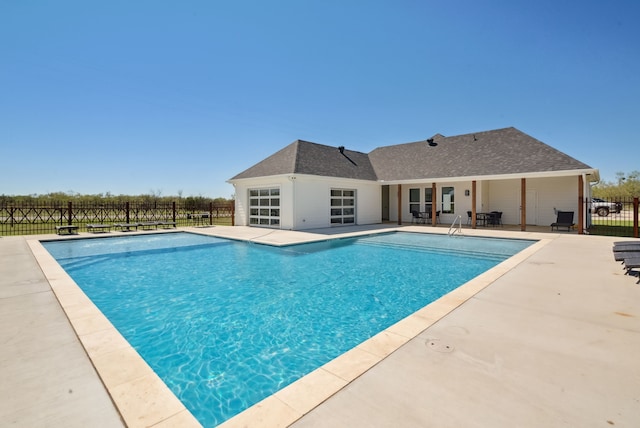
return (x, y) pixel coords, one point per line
(550, 337)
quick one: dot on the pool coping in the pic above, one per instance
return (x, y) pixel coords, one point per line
(143, 399)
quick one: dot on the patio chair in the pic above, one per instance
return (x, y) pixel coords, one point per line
(564, 219)
(417, 217)
(469, 217)
(496, 218)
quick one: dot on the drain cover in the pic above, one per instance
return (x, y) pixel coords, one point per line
(439, 346)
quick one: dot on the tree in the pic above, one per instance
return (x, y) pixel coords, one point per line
(627, 186)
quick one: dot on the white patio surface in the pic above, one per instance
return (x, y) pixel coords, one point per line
(549, 338)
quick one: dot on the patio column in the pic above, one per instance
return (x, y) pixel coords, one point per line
(473, 204)
(523, 204)
(580, 205)
(399, 204)
(434, 204)
(70, 207)
(635, 217)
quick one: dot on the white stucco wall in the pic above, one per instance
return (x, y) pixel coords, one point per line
(305, 200)
(551, 195)
(313, 201)
(504, 196)
(544, 197)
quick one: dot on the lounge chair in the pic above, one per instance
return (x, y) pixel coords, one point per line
(619, 256)
(625, 243)
(95, 227)
(631, 263)
(149, 224)
(69, 229)
(126, 227)
(622, 251)
(623, 247)
(417, 217)
(564, 219)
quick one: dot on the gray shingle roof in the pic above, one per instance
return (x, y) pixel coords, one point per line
(304, 157)
(497, 152)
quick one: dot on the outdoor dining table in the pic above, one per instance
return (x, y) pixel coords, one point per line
(426, 215)
(484, 219)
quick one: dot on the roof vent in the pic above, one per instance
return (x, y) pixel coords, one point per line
(341, 148)
(431, 142)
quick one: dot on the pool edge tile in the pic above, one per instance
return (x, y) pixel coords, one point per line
(91, 326)
(383, 343)
(268, 413)
(352, 364)
(182, 419)
(145, 401)
(307, 392)
(287, 405)
(120, 367)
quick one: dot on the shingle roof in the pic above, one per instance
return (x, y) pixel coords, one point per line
(304, 157)
(497, 152)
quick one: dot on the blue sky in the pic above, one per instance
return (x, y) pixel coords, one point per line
(168, 97)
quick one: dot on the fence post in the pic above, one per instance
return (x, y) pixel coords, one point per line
(173, 207)
(69, 221)
(635, 217)
(210, 213)
(233, 213)
(126, 209)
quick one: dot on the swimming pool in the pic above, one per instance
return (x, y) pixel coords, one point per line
(227, 323)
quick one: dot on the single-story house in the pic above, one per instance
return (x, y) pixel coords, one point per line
(307, 185)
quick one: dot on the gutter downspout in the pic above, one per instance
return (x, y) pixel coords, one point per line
(294, 202)
(581, 216)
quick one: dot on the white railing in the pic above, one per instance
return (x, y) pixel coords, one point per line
(453, 229)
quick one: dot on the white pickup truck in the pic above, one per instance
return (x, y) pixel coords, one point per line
(603, 208)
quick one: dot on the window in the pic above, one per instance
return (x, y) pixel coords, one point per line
(414, 200)
(428, 199)
(264, 207)
(343, 206)
(448, 200)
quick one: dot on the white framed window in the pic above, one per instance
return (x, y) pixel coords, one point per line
(448, 200)
(343, 207)
(428, 199)
(414, 200)
(264, 207)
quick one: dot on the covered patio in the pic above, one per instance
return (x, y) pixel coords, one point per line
(519, 201)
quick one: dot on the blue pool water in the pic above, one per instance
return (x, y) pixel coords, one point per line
(227, 323)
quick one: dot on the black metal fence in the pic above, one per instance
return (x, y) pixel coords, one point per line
(612, 217)
(29, 219)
